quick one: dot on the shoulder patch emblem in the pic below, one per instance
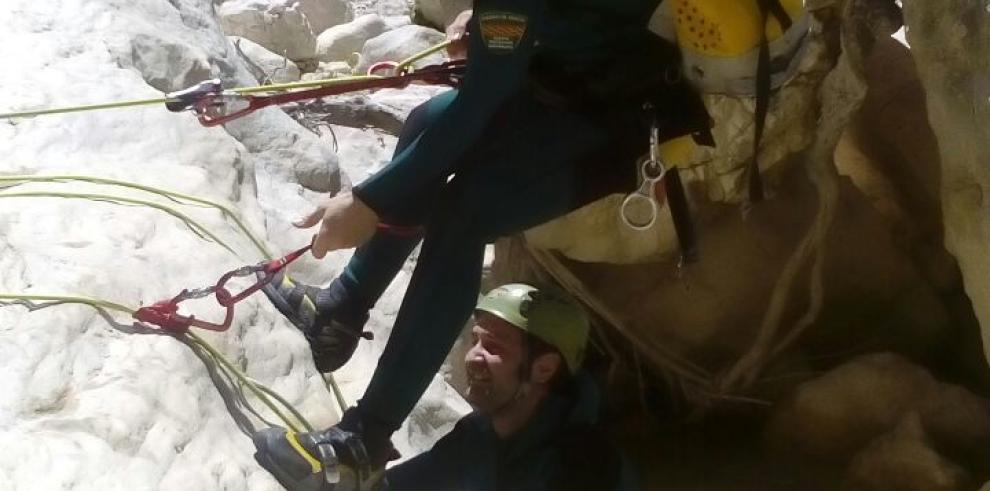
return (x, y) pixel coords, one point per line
(502, 31)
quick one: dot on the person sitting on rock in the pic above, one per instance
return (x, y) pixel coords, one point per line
(548, 118)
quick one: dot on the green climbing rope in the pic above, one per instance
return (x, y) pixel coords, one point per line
(82, 108)
(264, 394)
(259, 390)
(238, 90)
(402, 65)
(174, 196)
(193, 225)
(251, 385)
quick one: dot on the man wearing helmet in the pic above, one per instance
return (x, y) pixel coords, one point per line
(534, 407)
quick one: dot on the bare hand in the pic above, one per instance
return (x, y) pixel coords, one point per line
(347, 223)
(457, 35)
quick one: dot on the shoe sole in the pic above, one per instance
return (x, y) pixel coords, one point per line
(261, 443)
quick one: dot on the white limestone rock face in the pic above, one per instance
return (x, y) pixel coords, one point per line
(832, 416)
(950, 43)
(889, 422)
(329, 70)
(384, 8)
(441, 12)
(340, 42)
(86, 403)
(324, 14)
(904, 460)
(399, 44)
(396, 21)
(267, 67)
(278, 25)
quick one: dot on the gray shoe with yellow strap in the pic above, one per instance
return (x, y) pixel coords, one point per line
(332, 328)
(329, 460)
(349, 456)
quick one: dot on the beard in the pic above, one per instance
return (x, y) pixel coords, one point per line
(488, 398)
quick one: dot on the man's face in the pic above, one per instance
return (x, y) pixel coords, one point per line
(493, 362)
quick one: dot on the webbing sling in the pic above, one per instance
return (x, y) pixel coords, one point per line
(763, 90)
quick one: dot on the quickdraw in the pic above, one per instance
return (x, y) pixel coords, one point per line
(215, 106)
(165, 314)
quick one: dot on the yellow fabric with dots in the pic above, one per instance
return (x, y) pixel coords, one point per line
(725, 28)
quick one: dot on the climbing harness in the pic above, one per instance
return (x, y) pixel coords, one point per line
(165, 314)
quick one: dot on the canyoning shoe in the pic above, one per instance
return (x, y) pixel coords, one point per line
(332, 332)
(329, 460)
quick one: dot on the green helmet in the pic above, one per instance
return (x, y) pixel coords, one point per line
(552, 317)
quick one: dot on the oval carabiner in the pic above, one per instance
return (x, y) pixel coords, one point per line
(634, 200)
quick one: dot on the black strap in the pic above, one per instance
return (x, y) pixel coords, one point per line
(669, 127)
(777, 10)
(763, 90)
(756, 194)
(680, 212)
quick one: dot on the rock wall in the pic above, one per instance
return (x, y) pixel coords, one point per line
(887, 281)
(951, 44)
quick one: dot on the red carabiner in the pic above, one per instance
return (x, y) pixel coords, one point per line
(165, 314)
(209, 114)
(208, 99)
(384, 65)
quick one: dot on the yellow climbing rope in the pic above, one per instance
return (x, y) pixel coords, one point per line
(193, 225)
(266, 395)
(7, 182)
(399, 67)
(263, 394)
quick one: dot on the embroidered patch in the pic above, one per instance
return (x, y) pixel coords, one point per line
(502, 31)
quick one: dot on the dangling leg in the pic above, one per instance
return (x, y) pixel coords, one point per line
(332, 318)
(531, 177)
